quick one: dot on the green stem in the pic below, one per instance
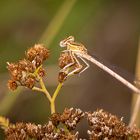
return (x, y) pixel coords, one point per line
(37, 89)
(57, 91)
(54, 97)
(135, 115)
(45, 90)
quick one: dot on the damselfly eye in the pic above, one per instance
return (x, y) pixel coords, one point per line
(62, 44)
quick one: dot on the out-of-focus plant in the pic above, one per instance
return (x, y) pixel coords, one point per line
(29, 73)
(135, 114)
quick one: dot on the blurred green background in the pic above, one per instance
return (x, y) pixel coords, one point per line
(108, 28)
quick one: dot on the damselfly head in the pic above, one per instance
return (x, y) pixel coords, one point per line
(64, 42)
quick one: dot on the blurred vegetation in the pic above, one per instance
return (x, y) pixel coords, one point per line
(110, 28)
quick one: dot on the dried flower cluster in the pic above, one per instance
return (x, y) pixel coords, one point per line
(133, 133)
(103, 126)
(109, 127)
(24, 72)
(70, 118)
(65, 59)
(37, 54)
(24, 131)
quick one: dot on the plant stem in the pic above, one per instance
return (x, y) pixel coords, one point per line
(44, 89)
(37, 89)
(57, 91)
(135, 112)
(52, 107)
(54, 97)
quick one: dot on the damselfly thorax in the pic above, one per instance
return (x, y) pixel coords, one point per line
(76, 47)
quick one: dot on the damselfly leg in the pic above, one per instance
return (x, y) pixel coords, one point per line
(87, 65)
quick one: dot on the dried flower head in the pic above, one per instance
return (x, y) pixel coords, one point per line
(55, 119)
(105, 126)
(22, 131)
(16, 132)
(37, 54)
(12, 84)
(24, 72)
(41, 72)
(64, 59)
(67, 65)
(30, 81)
(133, 133)
(62, 76)
(27, 66)
(71, 117)
(21, 74)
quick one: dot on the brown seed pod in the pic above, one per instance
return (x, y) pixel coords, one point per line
(64, 59)
(41, 72)
(62, 77)
(30, 82)
(105, 125)
(37, 54)
(71, 117)
(12, 84)
(55, 119)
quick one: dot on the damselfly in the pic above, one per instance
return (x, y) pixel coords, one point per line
(78, 50)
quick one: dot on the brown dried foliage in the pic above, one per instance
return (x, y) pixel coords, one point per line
(103, 125)
(22, 72)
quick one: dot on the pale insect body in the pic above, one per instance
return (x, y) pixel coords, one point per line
(73, 48)
(72, 45)
(78, 50)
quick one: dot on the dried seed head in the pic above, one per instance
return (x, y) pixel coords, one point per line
(22, 131)
(21, 74)
(55, 119)
(25, 65)
(71, 117)
(19, 70)
(14, 70)
(12, 84)
(64, 59)
(133, 133)
(41, 72)
(104, 125)
(16, 132)
(62, 77)
(68, 65)
(30, 82)
(37, 54)
(66, 114)
(32, 130)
